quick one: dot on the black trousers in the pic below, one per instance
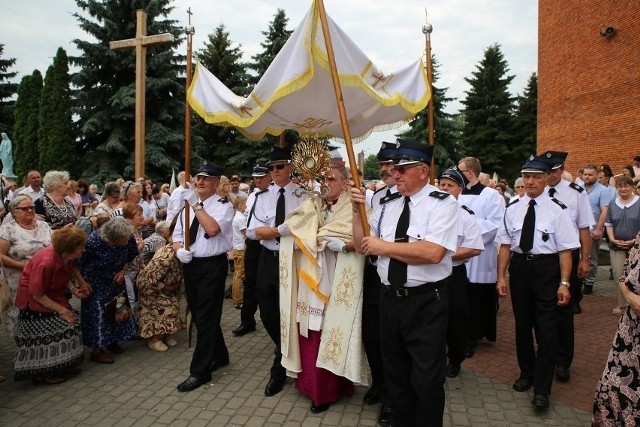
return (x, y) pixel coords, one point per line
(534, 285)
(458, 314)
(204, 280)
(249, 301)
(372, 289)
(268, 295)
(566, 331)
(483, 300)
(413, 337)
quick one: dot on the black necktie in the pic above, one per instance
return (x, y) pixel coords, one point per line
(193, 230)
(280, 208)
(529, 225)
(552, 192)
(388, 192)
(397, 275)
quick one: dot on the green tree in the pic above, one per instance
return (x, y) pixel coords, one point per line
(7, 91)
(106, 91)
(371, 169)
(447, 131)
(27, 116)
(275, 37)
(56, 144)
(526, 121)
(488, 130)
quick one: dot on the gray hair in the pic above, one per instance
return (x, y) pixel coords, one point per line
(162, 226)
(518, 181)
(53, 179)
(16, 201)
(115, 229)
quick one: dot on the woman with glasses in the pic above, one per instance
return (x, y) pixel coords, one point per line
(518, 187)
(19, 241)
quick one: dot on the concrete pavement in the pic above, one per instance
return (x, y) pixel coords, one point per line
(139, 388)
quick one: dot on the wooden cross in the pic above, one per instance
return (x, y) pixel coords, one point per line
(140, 42)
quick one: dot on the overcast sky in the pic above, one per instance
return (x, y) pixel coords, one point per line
(389, 32)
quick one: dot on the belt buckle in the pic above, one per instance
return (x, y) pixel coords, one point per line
(401, 292)
(529, 257)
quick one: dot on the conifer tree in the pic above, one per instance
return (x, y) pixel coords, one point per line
(275, 37)
(527, 120)
(56, 144)
(488, 130)
(27, 116)
(7, 90)
(106, 91)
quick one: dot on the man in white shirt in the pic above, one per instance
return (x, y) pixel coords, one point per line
(33, 188)
(175, 200)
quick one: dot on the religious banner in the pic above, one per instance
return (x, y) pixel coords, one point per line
(295, 91)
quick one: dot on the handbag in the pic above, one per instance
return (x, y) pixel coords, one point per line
(117, 309)
(6, 300)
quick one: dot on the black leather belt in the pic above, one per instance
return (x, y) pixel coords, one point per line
(416, 290)
(198, 260)
(531, 257)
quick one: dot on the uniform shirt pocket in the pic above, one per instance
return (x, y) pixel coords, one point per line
(417, 232)
(544, 230)
(388, 233)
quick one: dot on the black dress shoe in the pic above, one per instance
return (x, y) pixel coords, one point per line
(540, 401)
(273, 387)
(217, 365)
(243, 330)
(522, 384)
(372, 396)
(316, 409)
(563, 374)
(468, 352)
(192, 383)
(453, 370)
(588, 289)
(384, 419)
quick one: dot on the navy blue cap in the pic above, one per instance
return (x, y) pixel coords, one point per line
(259, 171)
(387, 150)
(279, 154)
(409, 152)
(555, 159)
(456, 175)
(536, 164)
(209, 169)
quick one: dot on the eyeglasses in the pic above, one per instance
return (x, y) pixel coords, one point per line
(403, 169)
(127, 186)
(519, 186)
(279, 166)
(27, 208)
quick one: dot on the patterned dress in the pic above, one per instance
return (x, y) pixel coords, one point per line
(159, 294)
(56, 216)
(99, 264)
(617, 399)
(23, 244)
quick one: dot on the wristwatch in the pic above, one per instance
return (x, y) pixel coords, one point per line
(197, 207)
(344, 249)
(564, 283)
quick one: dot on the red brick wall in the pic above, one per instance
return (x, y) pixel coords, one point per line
(589, 85)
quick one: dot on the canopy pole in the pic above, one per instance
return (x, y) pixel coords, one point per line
(190, 31)
(343, 113)
(281, 139)
(426, 30)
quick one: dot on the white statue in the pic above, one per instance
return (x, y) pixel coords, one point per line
(6, 156)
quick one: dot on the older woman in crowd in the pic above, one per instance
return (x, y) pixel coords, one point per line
(622, 224)
(161, 200)
(48, 332)
(109, 250)
(133, 214)
(618, 391)
(75, 198)
(110, 199)
(19, 241)
(53, 207)
(158, 286)
(89, 200)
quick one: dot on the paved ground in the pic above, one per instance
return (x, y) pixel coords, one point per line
(139, 389)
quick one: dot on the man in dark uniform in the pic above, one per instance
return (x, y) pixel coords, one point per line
(536, 239)
(205, 270)
(267, 226)
(251, 256)
(372, 287)
(414, 238)
(576, 200)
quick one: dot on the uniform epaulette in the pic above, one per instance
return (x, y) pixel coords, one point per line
(380, 189)
(468, 210)
(223, 200)
(439, 195)
(511, 203)
(576, 187)
(559, 203)
(386, 199)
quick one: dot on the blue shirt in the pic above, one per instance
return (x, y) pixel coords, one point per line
(599, 197)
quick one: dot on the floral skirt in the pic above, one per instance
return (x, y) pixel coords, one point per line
(46, 344)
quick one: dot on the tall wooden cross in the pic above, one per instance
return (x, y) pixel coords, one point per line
(140, 42)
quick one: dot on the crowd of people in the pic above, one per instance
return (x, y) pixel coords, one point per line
(401, 280)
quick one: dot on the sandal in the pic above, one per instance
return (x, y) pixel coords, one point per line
(158, 346)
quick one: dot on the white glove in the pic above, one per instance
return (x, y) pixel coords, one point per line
(334, 244)
(283, 230)
(189, 195)
(184, 255)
